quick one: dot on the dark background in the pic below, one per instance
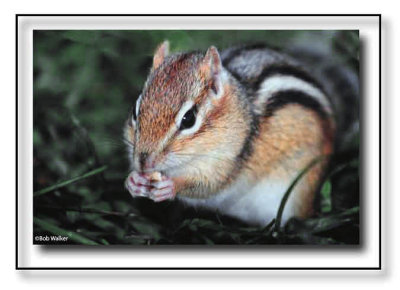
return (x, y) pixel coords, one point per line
(85, 83)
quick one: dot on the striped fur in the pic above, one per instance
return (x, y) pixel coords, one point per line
(262, 117)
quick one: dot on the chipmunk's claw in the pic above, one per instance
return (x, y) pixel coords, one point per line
(140, 185)
(162, 190)
(137, 185)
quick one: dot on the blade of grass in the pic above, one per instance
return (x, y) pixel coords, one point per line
(62, 232)
(325, 223)
(289, 190)
(68, 182)
(326, 198)
(88, 210)
(89, 143)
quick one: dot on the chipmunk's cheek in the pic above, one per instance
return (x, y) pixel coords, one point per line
(137, 185)
(163, 190)
(166, 162)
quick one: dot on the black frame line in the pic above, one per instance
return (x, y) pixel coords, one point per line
(17, 267)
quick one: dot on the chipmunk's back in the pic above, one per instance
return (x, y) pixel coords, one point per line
(251, 65)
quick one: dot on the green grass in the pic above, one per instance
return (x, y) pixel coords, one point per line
(67, 182)
(84, 85)
(130, 227)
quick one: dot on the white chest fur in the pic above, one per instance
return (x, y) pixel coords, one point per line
(257, 204)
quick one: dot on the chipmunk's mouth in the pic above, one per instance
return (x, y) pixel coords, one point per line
(173, 165)
(170, 171)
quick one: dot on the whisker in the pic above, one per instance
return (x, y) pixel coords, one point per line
(128, 142)
(202, 155)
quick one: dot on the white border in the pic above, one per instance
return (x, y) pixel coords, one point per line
(367, 256)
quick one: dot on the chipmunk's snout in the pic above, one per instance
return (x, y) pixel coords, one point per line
(143, 159)
(146, 161)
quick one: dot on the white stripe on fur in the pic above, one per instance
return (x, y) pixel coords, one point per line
(274, 84)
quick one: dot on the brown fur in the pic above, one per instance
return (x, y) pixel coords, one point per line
(216, 132)
(286, 142)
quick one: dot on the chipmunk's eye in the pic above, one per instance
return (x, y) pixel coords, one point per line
(134, 113)
(135, 109)
(189, 119)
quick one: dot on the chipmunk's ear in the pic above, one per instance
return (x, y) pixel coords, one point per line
(160, 54)
(211, 70)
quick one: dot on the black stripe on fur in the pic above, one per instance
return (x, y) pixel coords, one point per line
(285, 70)
(283, 98)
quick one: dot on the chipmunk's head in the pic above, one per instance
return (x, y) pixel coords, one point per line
(182, 114)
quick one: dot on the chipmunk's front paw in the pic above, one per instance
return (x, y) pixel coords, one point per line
(162, 190)
(137, 184)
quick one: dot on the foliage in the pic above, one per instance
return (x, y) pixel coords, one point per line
(84, 85)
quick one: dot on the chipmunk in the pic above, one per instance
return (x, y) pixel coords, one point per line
(229, 132)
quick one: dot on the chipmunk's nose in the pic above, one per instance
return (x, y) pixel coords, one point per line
(142, 159)
(146, 161)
